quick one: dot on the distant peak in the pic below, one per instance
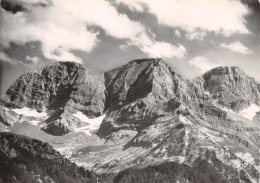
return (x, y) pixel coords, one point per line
(224, 70)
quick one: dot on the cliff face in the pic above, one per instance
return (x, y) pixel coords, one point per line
(61, 89)
(231, 87)
(143, 90)
(147, 78)
(57, 86)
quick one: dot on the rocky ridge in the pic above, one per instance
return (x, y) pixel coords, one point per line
(61, 89)
(231, 87)
(152, 116)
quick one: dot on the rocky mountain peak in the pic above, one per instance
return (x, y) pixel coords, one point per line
(139, 79)
(224, 70)
(231, 87)
(61, 90)
(152, 61)
(40, 88)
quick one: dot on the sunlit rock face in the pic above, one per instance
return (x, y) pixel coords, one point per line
(143, 90)
(231, 87)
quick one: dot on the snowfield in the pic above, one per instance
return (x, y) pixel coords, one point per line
(247, 113)
(250, 112)
(30, 112)
(247, 157)
(92, 124)
(34, 122)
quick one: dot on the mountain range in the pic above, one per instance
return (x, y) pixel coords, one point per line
(137, 122)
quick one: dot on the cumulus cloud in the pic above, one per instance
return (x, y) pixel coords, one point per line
(237, 47)
(202, 64)
(120, 26)
(58, 32)
(64, 26)
(163, 49)
(224, 17)
(157, 48)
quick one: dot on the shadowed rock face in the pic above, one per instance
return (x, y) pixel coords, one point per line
(231, 87)
(147, 78)
(49, 88)
(140, 91)
(62, 88)
(258, 87)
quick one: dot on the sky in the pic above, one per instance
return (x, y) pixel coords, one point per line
(193, 36)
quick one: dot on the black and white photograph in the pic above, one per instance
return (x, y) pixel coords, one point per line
(129, 91)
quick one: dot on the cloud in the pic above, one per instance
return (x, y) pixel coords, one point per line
(224, 17)
(134, 5)
(177, 33)
(202, 64)
(198, 35)
(5, 58)
(115, 24)
(157, 48)
(64, 26)
(57, 36)
(163, 49)
(34, 60)
(237, 47)
(121, 27)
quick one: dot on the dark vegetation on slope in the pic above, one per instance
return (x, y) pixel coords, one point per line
(172, 172)
(29, 160)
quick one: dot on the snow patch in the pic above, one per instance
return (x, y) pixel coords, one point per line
(66, 151)
(247, 113)
(236, 163)
(186, 141)
(181, 159)
(30, 112)
(212, 135)
(184, 120)
(250, 111)
(34, 122)
(247, 157)
(92, 124)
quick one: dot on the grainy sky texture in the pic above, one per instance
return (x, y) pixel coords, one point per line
(193, 36)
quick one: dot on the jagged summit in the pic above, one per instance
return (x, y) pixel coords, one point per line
(62, 89)
(152, 78)
(151, 60)
(141, 85)
(224, 70)
(140, 114)
(231, 87)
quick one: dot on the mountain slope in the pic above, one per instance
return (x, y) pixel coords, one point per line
(141, 91)
(147, 115)
(29, 160)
